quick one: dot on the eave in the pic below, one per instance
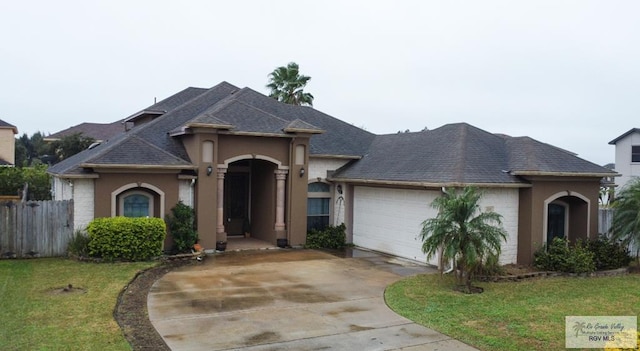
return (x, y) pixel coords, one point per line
(303, 130)
(418, 184)
(137, 166)
(342, 157)
(564, 174)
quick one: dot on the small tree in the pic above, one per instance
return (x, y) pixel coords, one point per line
(625, 225)
(181, 224)
(36, 179)
(462, 232)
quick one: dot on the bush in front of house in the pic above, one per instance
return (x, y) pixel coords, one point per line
(331, 237)
(609, 254)
(181, 224)
(79, 244)
(490, 266)
(125, 238)
(561, 257)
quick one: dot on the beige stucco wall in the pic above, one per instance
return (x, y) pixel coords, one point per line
(532, 216)
(7, 145)
(273, 151)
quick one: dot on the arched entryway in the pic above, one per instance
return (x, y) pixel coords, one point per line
(251, 198)
(567, 215)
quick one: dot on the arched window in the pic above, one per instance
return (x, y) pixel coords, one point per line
(136, 204)
(318, 206)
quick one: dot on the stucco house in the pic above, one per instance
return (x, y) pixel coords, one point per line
(7, 144)
(627, 161)
(248, 163)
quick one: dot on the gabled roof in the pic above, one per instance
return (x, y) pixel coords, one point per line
(5, 125)
(527, 156)
(630, 131)
(226, 107)
(454, 154)
(97, 131)
(460, 154)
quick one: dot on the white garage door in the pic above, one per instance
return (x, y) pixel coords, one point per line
(390, 220)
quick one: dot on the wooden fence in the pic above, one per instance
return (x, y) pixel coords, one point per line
(35, 228)
(605, 215)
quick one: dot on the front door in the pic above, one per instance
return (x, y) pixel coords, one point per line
(555, 222)
(236, 203)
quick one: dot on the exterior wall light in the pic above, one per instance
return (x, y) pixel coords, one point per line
(301, 172)
(209, 170)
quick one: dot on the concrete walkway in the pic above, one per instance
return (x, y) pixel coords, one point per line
(288, 300)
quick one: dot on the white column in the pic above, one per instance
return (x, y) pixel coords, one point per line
(281, 176)
(220, 208)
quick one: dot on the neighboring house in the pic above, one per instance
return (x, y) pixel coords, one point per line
(627, 162)
(7, 144)
(98, 131)
(248, 163)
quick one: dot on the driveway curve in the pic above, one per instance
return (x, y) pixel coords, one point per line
(288, 300)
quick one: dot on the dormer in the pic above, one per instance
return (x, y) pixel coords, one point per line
(141, 118)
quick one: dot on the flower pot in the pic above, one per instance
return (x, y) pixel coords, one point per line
(221, 245)
(282, 243)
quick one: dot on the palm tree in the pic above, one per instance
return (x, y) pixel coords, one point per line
(625, 224)
(287, 84)
(462, 232)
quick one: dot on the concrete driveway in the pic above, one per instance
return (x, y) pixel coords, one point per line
(288, 300)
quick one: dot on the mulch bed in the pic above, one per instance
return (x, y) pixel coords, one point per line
(131, 309)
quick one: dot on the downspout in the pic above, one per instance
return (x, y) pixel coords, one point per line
(192, 197)
(444, 191)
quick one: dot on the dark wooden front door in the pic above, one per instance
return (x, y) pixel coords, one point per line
(555, 222)
(236, 202)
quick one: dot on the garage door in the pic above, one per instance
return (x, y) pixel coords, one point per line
(390, 220)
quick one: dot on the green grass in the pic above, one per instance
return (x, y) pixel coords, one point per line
(527, 315)
(32, 318)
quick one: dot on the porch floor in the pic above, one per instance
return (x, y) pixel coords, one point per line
(241, 243)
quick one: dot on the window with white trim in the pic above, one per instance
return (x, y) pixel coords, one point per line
(635, 153)
(318, 206)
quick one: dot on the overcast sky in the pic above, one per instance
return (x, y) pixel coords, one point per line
(563, 72)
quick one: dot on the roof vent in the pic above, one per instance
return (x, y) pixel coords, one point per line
(93, 145)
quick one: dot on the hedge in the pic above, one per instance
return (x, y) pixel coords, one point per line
(125, 238)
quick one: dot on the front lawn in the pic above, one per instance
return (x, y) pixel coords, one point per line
(38, 314)
(527, 315)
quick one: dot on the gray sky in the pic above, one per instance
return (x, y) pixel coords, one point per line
(563, 72)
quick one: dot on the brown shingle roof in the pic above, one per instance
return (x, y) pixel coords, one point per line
(97, 131)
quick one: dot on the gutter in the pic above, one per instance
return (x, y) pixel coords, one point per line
(427, 184)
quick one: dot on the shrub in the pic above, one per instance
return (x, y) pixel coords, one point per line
(124, 238)
(79, 244)
(559, 256)
(609, 254)
(181, 224)
(13, 179)
(580, 259)
(330, 238)
(490, 267)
